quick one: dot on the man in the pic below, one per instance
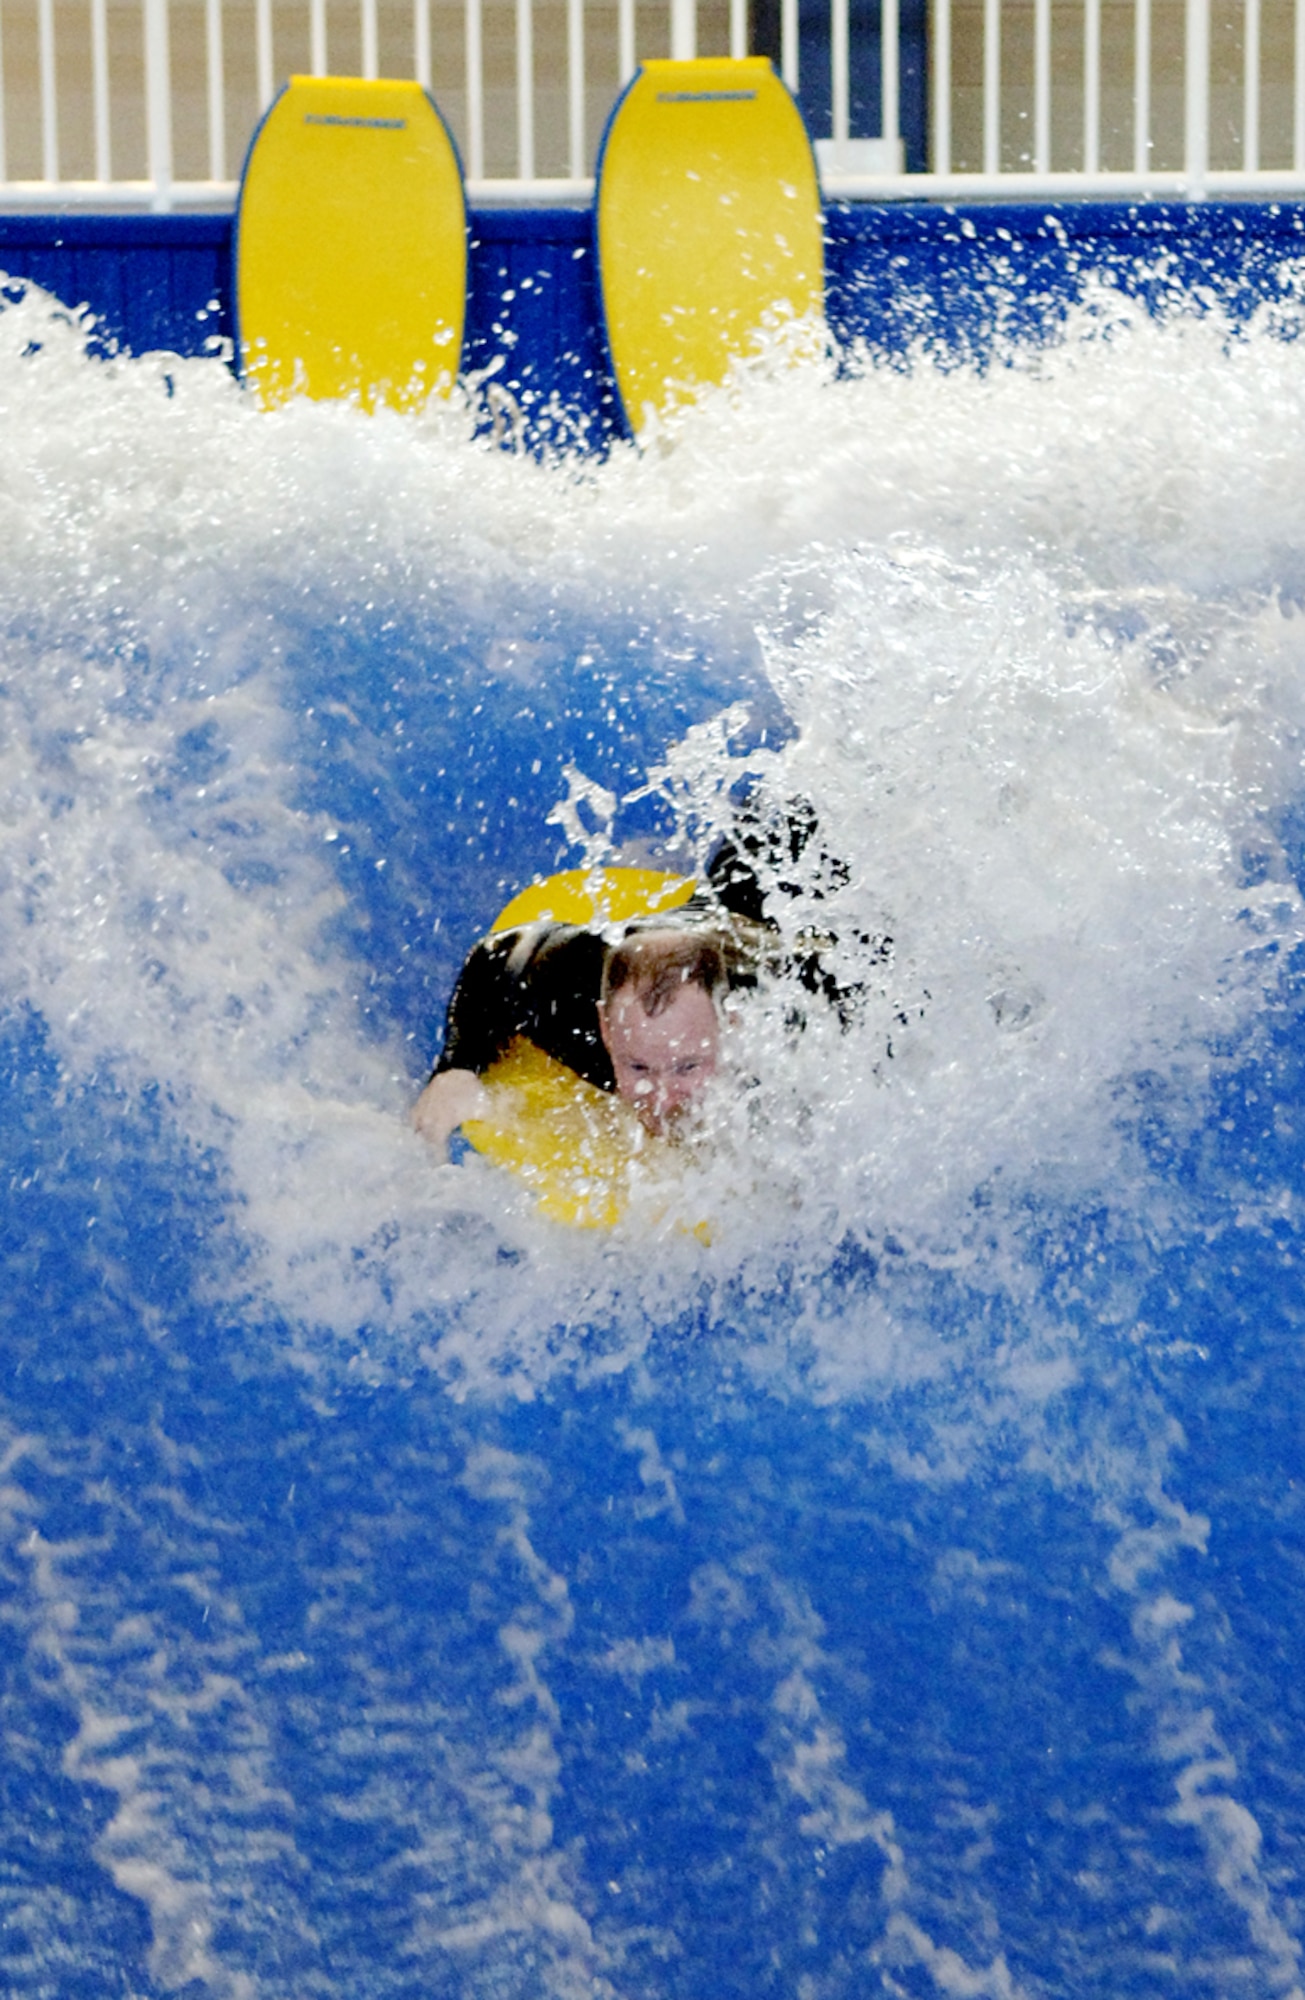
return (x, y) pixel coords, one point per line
(640, 1017)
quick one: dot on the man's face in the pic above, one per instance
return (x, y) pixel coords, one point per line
(661, 1061)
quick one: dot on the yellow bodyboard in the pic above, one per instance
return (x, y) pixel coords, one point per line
(351, 246)
(709, 225)
(581, 1150)
(576, 1147)
(596, 896)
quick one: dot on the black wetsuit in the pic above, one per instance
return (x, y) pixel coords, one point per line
(543, 982)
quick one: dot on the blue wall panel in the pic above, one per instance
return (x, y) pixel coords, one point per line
(956, 280)
(959, 279)
(149, 279)
(534, 319)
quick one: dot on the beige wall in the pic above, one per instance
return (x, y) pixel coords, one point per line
(18, 39)
(290, 39)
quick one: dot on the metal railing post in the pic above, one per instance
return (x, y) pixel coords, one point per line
(940, 150)
(263, 42)
(1298, 94)
(684, 30)
(475, 91)
(991, 86)
(158, 103)
(217, 91)
(625, 57)
(1091, 85)
(1196, 92)
(370, 41)
(1141, 86)
(788, 43)
(575, 87)
(738, 28)
(838, 72)
(890, 90)
(318, 62)
(1251, 88)
(1042, 86)
(421, 42)
(100, 88)
(525, 90)
(49, 91)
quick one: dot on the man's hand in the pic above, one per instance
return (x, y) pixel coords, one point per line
(447, 1099)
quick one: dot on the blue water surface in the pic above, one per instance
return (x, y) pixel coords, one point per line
(674, 1671)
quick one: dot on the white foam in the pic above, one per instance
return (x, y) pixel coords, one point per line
(1036, 630)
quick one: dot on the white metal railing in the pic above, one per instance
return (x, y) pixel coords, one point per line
(149, 103)
(1194, 173)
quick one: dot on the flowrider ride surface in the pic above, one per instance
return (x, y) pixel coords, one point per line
(709, 225)
(351, 246)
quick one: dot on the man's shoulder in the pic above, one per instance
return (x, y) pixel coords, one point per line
(546, 949)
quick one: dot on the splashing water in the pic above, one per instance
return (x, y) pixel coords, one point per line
(897, 1593)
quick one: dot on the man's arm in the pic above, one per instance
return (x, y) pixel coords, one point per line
(541, 982)
(448, 1098)
(489, 1007)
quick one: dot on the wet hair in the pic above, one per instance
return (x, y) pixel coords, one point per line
(657, 965)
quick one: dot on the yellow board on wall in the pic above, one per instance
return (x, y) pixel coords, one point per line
(351, 246)
(709, 224)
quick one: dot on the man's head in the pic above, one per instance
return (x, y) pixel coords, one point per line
(659, 1021)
